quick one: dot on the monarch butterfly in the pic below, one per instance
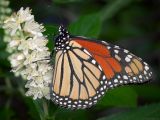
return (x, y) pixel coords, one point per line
(85, 69)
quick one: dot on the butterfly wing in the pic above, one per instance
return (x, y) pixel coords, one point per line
(134, 69)
(78, 79)
(88, 68)
(120, 66)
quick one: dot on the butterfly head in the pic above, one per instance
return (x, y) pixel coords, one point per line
(62, 40)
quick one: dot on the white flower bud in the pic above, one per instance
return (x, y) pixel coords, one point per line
(24, 15)
(28, 47)
(20, 57)
(14, 43)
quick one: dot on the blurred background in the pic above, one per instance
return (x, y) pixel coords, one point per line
(132, 24)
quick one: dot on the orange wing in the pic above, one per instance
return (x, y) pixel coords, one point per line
(119, 65)
(102, 55)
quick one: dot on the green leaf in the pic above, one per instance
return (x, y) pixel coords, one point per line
(88, 26)
(113, 8)
(33, 110)
(39, 108)
(6, 113)
(149, 112)
(119, 31)
(122, 96)
(2, 43)
(63, 114)
(148, 92)
(66, 1)
(51, 32)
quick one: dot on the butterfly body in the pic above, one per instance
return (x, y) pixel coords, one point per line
(86, 69)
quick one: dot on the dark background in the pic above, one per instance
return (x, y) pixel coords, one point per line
(132, 24)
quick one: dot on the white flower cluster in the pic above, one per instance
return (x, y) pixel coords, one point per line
(27, 46)
(4, 10)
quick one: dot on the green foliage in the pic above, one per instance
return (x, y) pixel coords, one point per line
(148, 112)
(3, 54)
(32, 109)
(62, 114)
(91, 25)
(148, 91)
(50, 32)
(6, 113)
(66, 1)
(119, 97)
(88, 26)
(113, 7)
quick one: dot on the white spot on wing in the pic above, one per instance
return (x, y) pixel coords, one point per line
(116, 51)
(127, 59)
(126, 51)
(125, 77)
(115, 80)
(102, 93)
(93, 61)
(99, 67)
(116, 46)
(146, 68)
(105, 42)
(108, 47)
(119, 76)
(130, 56)
(145, 72)
(104, 77)
(121, 81)
(86, 102)
(87, 52)
(67, 47)
(101, 89)
(140, 76)
(109, 83)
